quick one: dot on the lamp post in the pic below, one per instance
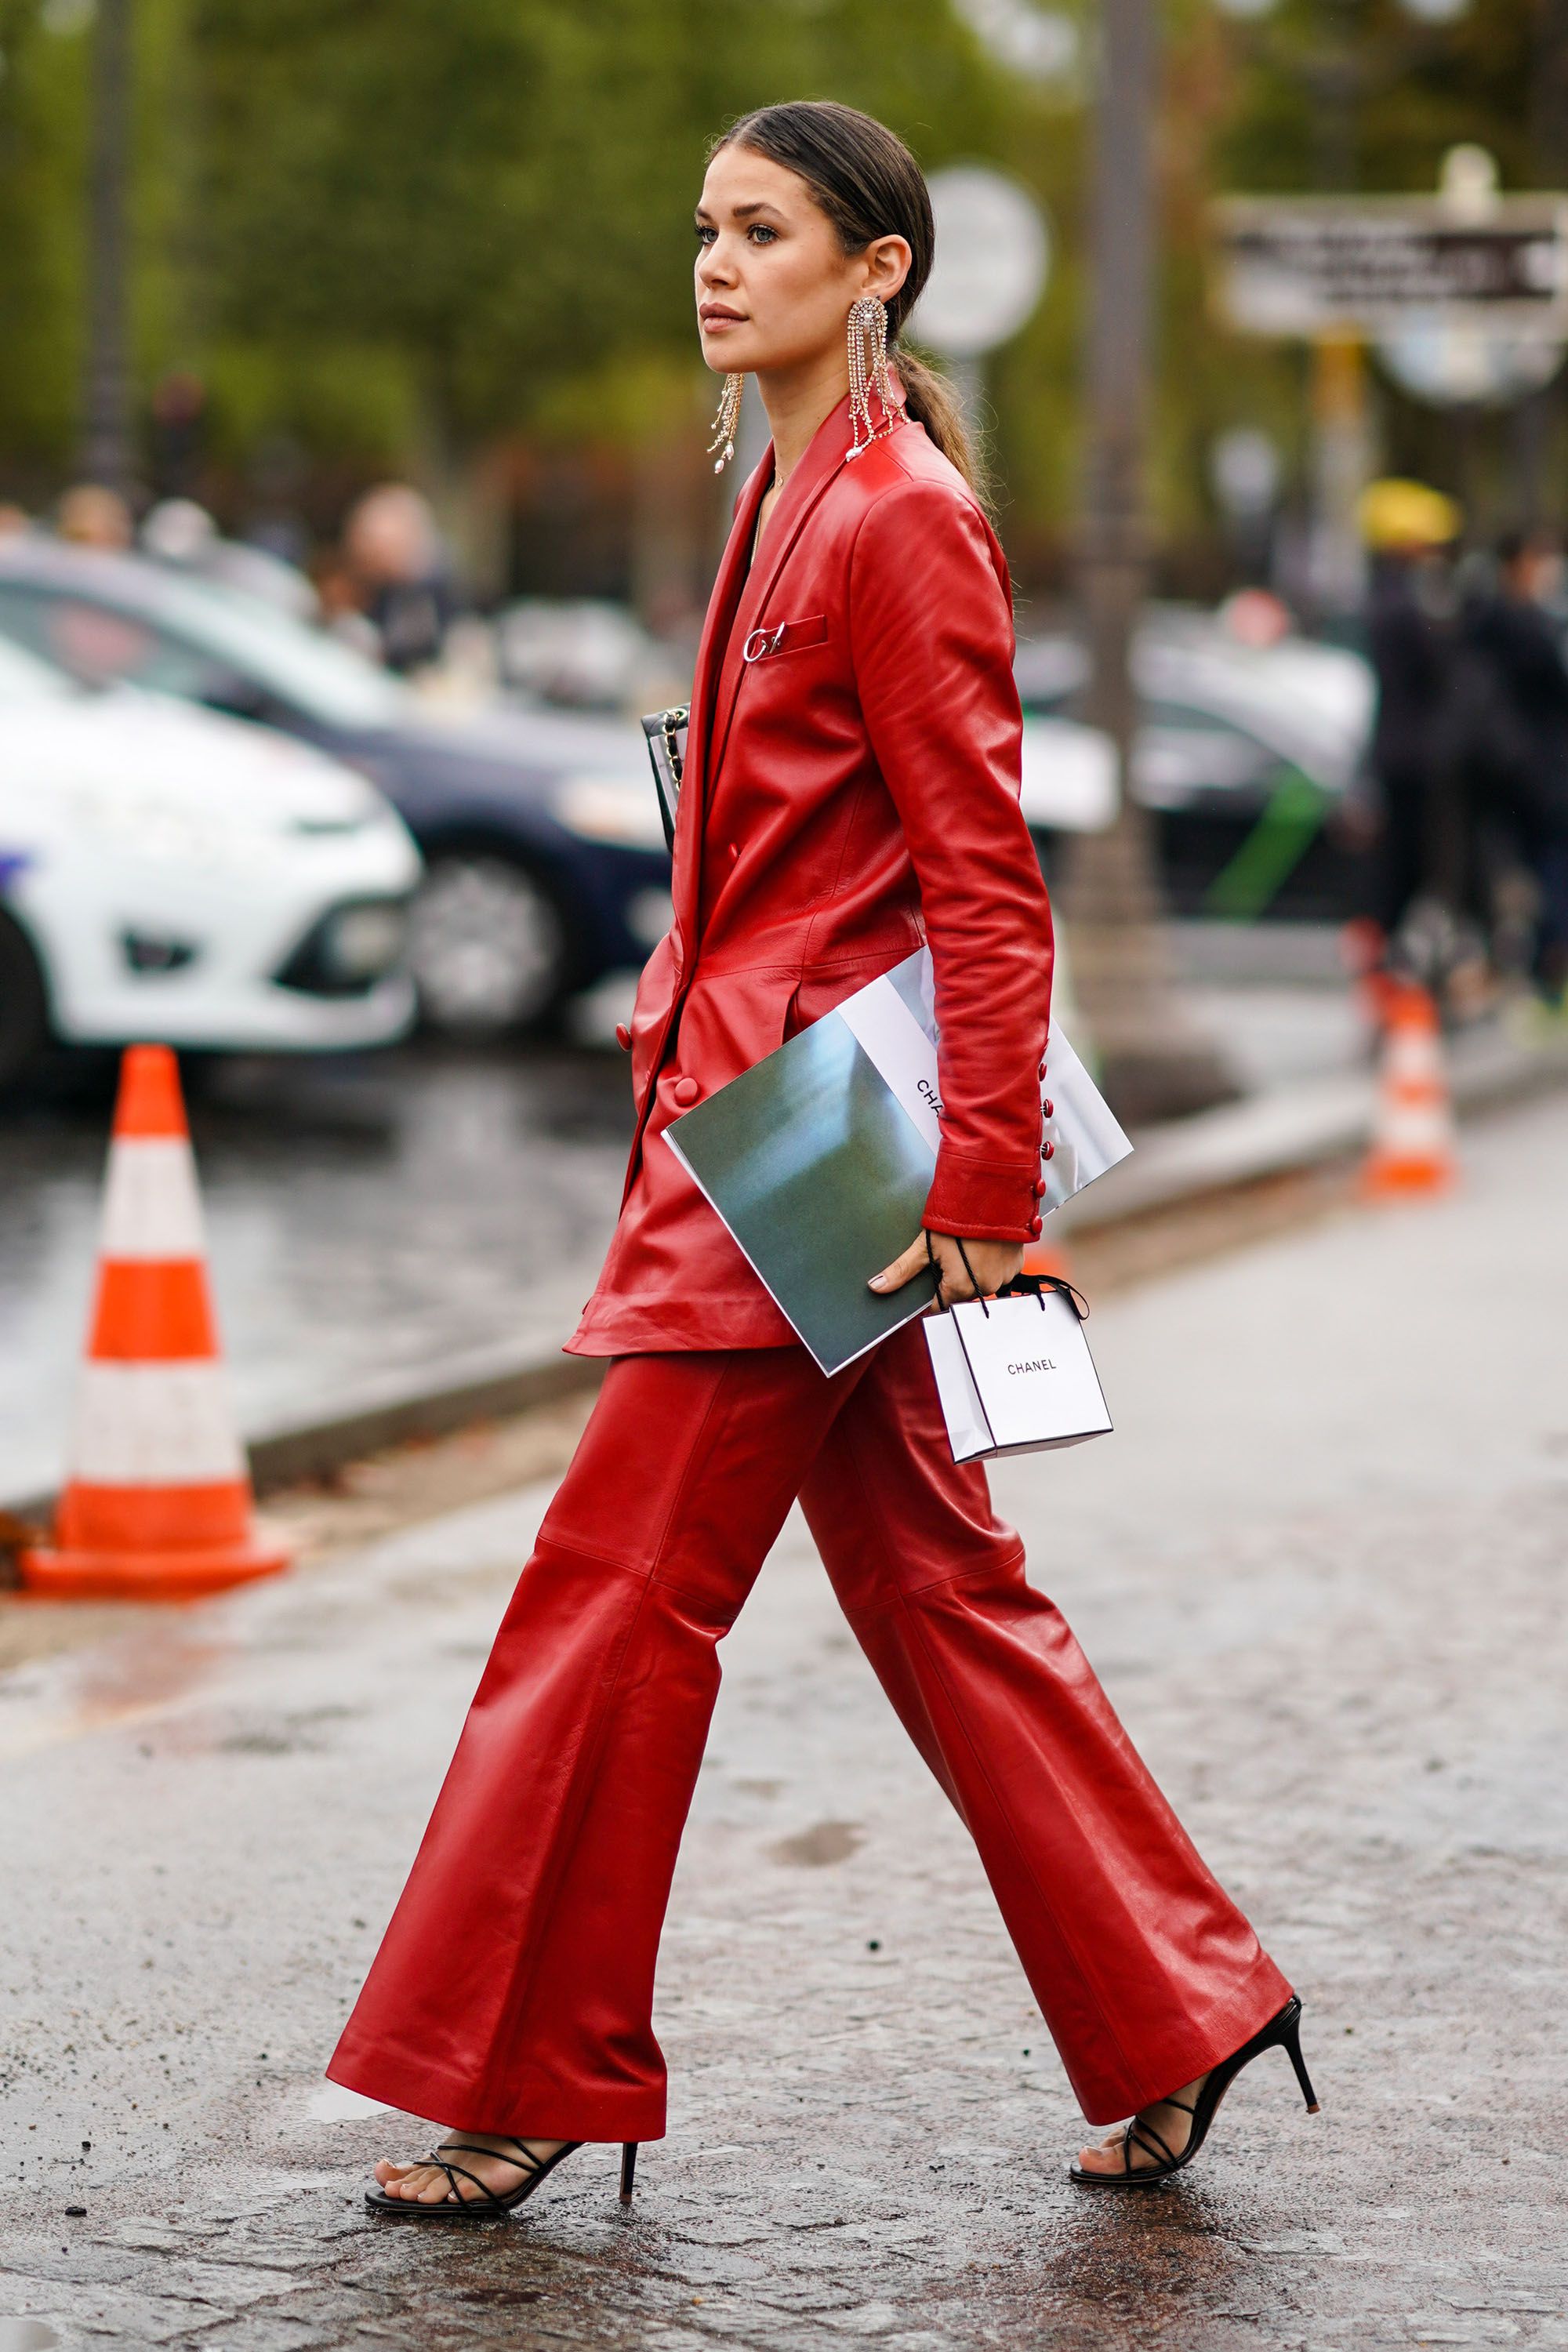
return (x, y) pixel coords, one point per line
(1152, 1064)
(106, 453)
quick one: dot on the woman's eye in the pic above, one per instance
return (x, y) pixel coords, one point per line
(763, 232)
(705, 235)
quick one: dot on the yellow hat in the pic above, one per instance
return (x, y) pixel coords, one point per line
(1394, 514)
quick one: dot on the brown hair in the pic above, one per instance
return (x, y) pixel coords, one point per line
(869, 185)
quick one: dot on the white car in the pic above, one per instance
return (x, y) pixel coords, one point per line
(168, 874)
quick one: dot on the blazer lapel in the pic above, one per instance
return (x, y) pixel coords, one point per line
(826, 454)
(704, 686)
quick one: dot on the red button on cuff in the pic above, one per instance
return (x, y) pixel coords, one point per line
(623, 1037)
(1049, 1108)
(1040, 1187)
(1047, 1149)
(1036, 1227)
(1041, 1072)
(686, 1092)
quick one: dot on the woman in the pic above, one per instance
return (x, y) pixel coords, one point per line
(851, 787)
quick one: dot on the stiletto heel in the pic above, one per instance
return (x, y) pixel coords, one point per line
(629, 2169)
(1282, 2031)
(1291, 2039)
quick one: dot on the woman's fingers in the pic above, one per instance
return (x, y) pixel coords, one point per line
(964, 1270)
(989, 1264)
(903, 1269)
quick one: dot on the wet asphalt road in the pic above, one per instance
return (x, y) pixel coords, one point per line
(367, 1219)
(391, 1219)
(1320, 1569)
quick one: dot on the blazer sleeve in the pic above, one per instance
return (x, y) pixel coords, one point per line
(932, 636)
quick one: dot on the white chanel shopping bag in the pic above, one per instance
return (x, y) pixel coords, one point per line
(1014, 1372)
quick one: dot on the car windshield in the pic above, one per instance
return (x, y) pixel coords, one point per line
(25, 678)
(324, 680)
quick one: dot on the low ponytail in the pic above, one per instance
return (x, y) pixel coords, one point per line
(869, 185)
(932, 401)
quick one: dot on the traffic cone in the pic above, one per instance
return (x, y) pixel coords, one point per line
(1413, 1145)
(1048, 1257)
(158, 1506)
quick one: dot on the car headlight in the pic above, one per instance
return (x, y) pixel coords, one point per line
(361, 942)
(611, 808)
(349, 950)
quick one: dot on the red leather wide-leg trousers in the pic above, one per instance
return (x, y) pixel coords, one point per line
(513, 1989)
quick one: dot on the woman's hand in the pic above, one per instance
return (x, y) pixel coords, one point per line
(995, 1263)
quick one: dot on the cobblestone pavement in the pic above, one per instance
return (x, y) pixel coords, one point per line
(1320, 1567)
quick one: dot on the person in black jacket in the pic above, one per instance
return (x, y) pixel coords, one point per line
(1419, 847)
(1512, 633)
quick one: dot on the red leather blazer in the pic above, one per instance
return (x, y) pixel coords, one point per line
(850, 789)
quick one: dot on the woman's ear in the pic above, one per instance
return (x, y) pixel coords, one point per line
(888, 261)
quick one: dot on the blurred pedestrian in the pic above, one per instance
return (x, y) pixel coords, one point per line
(1428, 748)
(870, 779)
(403, 584)
(1516, 631)
(90, 514)
(179, 422)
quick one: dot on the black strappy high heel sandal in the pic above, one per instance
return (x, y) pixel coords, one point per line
(491, 2205)
(1281, 2032)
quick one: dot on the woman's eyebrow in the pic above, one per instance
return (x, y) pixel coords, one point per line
(704, 218)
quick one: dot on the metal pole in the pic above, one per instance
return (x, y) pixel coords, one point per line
(106, 454)
(1541, 422)
(1151, 1063)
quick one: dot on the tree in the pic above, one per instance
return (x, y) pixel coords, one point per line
(497, 194)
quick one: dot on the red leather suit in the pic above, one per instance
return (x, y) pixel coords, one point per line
(860, 774)
(850, 791)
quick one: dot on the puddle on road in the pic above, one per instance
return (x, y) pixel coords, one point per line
(137, 1677)
(156, 1664)
(331, 2103)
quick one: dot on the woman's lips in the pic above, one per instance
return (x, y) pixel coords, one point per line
(719, 318)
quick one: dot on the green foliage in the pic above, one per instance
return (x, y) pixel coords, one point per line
(41, 127)
(387, 227)
(502, 193)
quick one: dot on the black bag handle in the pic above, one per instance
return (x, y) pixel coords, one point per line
(1023, 1285)
(1035, 1286)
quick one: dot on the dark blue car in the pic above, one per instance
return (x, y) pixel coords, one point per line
(546, 866)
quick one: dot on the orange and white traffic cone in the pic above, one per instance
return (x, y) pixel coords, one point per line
(1413, 1145)
(1048, 1257)
(158, 1505)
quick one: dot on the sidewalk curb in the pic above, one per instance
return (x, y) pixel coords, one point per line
(1302, 1126)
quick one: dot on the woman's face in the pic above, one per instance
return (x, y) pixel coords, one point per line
(774, 284)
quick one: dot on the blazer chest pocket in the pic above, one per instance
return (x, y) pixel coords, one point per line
(784, 637)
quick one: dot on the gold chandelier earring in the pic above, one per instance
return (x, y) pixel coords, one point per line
(868, 327)
(725, 422)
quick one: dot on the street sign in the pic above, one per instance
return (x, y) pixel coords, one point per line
(1311, 266)
(993, 255)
